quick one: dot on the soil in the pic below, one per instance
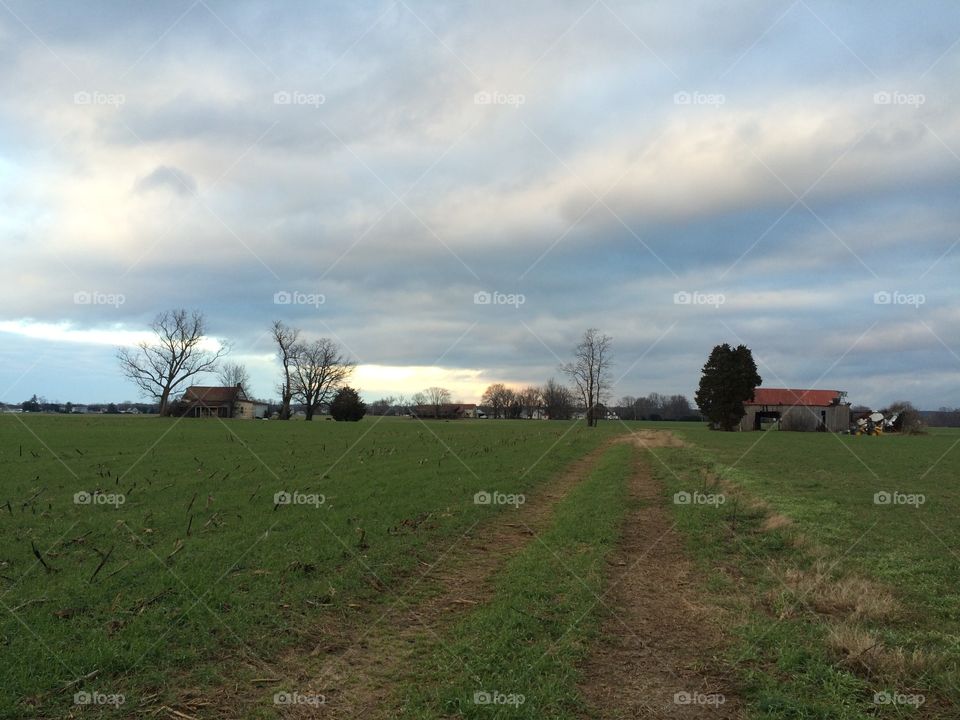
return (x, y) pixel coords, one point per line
(658, 656)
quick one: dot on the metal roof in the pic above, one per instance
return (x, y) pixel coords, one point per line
(807, 398)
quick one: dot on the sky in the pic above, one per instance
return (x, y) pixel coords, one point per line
(455, 191)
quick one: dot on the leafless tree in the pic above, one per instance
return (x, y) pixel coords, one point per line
(437, 397)
(383, 406)
(530, 400)
(677, 407)
(232, 374)
(627, 407)
(557, 400)
(590, 370)
(498, 398)
(177, 354)
(319, 369)
(287, 340)
(909, 420)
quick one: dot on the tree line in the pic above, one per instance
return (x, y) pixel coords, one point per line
(312, 371)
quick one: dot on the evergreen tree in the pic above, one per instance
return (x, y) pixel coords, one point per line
(347, 405)
(729, 379)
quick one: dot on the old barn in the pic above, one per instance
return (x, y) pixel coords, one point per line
(222, 402)
(784, 409)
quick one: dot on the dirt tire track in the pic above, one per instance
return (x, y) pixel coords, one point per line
(358, 669)
(676, 638)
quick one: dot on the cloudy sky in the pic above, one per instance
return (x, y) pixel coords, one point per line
(456, 190)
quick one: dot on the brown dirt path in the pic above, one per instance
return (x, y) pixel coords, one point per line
(668, 651)
(358, 668)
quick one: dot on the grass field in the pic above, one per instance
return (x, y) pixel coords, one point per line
(202, 564)
(836, 595)
(155, 560)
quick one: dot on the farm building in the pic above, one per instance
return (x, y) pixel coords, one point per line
(446, 411)
(222, 402)
(822, 410)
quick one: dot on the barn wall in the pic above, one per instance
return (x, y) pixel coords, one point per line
(837, 417)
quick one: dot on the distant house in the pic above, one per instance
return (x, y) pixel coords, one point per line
(822, 410)
(222, 402)
(446, 411)
(600, 412)
(533, 414)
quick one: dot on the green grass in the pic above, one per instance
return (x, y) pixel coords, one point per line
(826, 485)
(527, 641)
(170, 608)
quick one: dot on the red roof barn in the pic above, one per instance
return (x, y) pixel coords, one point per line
(823, 410)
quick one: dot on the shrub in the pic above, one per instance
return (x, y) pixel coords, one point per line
(347, 405)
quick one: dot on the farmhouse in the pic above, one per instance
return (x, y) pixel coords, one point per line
(446, 411)
(222, 402)
(821, 410)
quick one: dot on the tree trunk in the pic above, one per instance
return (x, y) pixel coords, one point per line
(285, 407)
(309, 411)
(165, 402)
(591, 421)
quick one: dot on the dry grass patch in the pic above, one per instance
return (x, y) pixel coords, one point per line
(852, 597)
(862, 651)
(775, 522)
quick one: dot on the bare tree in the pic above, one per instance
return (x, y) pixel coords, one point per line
(909, 420)
(677, 407)
(288, 340)
(590, 370)
(627, 407)
(498, 398)
(437, 397)
(159, 367)
(383, 406)
(557, 400)
(232, 374)
(530, 400)
(319, 370)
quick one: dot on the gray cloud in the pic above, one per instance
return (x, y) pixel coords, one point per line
(167, 178)
(384, 187)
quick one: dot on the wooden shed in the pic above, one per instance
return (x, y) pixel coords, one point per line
(785, 409)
